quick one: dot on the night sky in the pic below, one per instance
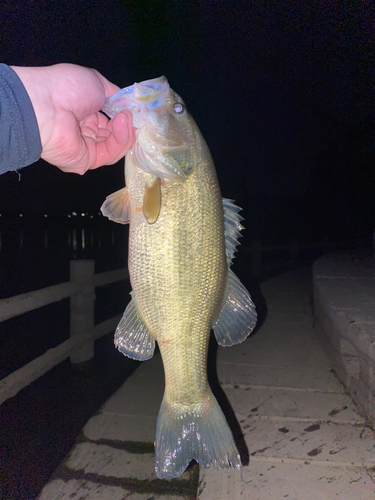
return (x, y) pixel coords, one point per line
(283, 92)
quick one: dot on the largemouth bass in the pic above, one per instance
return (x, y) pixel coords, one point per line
(182, 240)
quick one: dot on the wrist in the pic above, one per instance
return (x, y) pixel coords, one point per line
(35, 81)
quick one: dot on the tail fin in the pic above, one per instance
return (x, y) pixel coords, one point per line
(200, 432)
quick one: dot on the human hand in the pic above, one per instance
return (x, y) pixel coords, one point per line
(75, 136)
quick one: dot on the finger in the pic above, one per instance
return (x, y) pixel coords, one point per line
(97, 127)
(121, 139)
(108, 150)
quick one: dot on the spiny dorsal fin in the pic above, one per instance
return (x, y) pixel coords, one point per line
(117, 206)
(232, 228)
(152, 202)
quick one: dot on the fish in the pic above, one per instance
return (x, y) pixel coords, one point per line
(182, 239)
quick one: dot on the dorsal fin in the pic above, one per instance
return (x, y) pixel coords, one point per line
(232, 228)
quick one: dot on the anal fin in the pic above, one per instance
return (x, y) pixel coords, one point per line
(132, 337)
(238, 316)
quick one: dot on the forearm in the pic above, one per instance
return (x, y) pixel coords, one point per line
(20, 143)
(53, 112)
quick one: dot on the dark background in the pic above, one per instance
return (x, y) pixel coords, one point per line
(283, 92)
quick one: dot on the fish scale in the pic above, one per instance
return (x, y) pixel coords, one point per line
(182, 239)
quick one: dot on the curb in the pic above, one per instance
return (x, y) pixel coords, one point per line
(344, 310)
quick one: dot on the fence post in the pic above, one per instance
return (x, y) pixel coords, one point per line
(82, 309)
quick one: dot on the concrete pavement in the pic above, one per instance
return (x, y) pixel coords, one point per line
(299, 434)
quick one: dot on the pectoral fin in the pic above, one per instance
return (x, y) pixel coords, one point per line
(152, 202)
(238, 316)
(132, 337)
(117, 206)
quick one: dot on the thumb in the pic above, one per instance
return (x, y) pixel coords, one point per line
(119, 142)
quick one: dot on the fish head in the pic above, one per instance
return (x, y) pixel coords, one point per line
(165, 143)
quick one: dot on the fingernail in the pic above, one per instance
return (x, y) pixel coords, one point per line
(92, 136)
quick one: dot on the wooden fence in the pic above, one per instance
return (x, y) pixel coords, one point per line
(83, 333)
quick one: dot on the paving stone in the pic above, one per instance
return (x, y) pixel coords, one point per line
(82, 489)
(142, 394)
(104, 460)
(296, 404)
(309, 440)
(294, 349)
(277, 376)
(266, 479)
(121, 427)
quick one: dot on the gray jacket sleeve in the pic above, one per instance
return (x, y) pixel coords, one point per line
(19, 134)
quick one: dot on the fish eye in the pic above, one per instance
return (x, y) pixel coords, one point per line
(178, 108)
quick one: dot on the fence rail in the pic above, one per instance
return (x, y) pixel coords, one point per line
(25, 302)
(83, 333)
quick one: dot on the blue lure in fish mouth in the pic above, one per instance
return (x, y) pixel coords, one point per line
(147, 95)
(162, 125)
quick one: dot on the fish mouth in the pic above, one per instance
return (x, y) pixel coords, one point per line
(155, 151)
(148, 95)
